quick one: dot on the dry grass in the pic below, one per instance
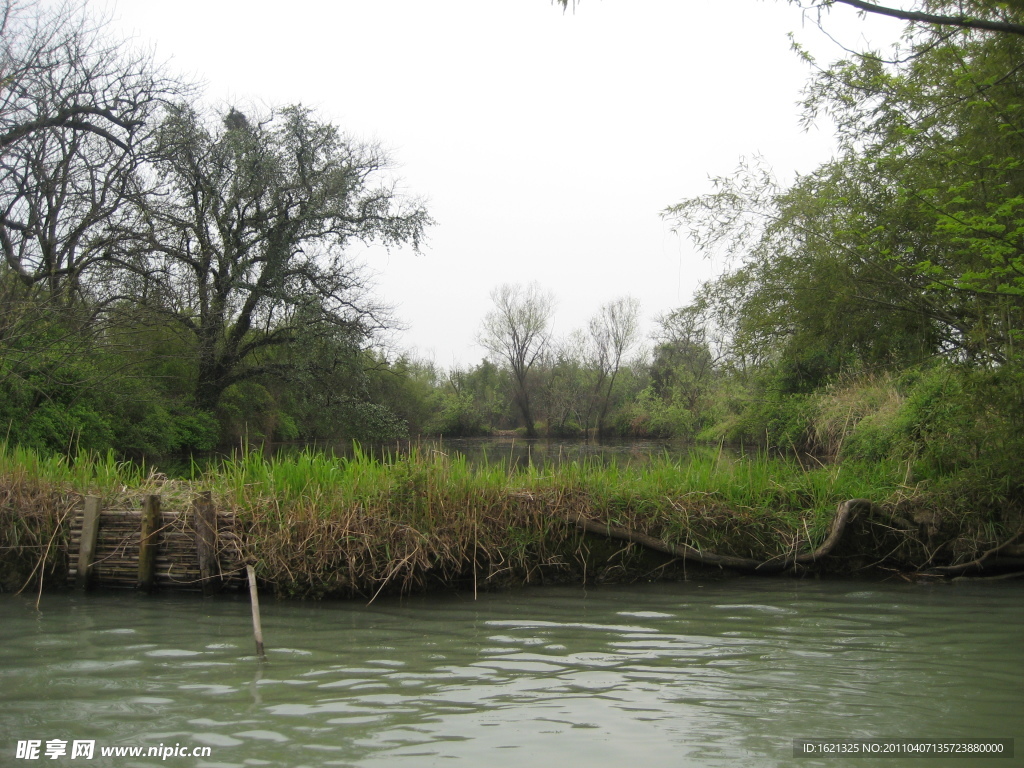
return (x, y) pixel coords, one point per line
(315, 525)
(868, 398)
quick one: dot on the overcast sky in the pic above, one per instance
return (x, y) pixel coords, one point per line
(546, 144)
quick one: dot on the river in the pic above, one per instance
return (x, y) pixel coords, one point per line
(655, 676)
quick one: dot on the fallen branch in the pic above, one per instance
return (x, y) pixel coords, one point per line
(847, 511)
(1000, 577)
(979, 563)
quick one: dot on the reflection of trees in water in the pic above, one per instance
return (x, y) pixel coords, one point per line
(520, 452)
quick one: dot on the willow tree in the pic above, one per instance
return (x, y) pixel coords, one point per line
(248, 246)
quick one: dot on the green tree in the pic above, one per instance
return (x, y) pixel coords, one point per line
(911, 241)
(909, 245)
(683, 367)
(932, 184)
(407, 387)
(812, 271)
(481, 400)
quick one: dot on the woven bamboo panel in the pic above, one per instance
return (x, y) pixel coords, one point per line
(116, 561)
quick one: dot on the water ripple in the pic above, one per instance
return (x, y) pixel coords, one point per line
(673, 675)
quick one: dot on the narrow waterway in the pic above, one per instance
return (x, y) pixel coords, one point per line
(688, 674)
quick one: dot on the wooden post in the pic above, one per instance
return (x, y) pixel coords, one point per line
(205, 517)
(151, 523)
(87, 546)
(257, 628)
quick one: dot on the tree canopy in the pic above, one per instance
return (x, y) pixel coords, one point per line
(246, 244)
(907, 244)
(158, 254)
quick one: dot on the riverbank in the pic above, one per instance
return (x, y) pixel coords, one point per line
(318, 526)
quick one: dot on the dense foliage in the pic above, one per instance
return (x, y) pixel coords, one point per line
(175, 278)
(894, 272)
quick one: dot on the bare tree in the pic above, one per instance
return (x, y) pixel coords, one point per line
(248, 246)
(613, 332)
(74, 107)
(517, 332)
(59, 71)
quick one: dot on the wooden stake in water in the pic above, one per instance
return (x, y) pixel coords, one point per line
(257, 629)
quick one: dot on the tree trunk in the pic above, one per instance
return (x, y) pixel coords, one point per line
(847, 511)
(523, 400)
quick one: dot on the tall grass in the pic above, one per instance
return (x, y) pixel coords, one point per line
(37, 495)
(354, 525)
(85, 472)
(316, 524)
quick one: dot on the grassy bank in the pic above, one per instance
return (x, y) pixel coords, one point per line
(318, 525)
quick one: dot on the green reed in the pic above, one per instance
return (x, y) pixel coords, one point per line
(321, 524)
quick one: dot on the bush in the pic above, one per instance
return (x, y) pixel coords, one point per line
(858, 418)
(459, 417)
(965, 423)
(776, 419)
(956, 427)
(651, 416)
(370, 422)
(195, 430)
(568, 430)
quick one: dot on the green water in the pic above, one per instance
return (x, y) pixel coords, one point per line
(722, 674)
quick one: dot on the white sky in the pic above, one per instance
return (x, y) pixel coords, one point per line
(545, 144)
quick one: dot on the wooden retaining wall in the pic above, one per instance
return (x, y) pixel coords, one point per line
(196, 548)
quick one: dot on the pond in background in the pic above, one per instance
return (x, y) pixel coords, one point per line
(512, 452)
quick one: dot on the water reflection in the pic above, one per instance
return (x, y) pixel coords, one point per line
(672, 675)
(540, 453)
